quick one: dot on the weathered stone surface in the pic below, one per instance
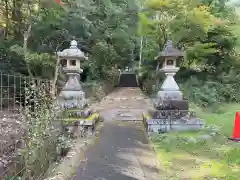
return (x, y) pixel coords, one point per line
(2, 169)
(171, 109)
(72, 95)
(123, 104)
(170, 97)
(72, 52)
(165, 125)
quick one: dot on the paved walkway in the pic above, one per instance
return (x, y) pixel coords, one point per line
(123, 101)
(122, 150)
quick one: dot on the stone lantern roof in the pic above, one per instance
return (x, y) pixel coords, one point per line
(72, 52)
(170, 51)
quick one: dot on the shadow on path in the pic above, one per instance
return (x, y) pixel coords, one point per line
(121, 152)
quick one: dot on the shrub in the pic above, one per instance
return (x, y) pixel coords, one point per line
(213, 91)
(41, 144)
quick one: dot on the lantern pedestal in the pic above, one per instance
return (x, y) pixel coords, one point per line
(169, 89)
(171, 112)
(76, 115)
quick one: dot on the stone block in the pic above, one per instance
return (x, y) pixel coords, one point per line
(162, 125)
(171, 105)
(179, 104)
(2, 168)
(168, 95)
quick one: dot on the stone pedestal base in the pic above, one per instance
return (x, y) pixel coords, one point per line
(169, 123)
(171, 105)
(169, 95)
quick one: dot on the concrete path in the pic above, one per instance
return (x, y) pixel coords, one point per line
(122, 150)
(123, 102)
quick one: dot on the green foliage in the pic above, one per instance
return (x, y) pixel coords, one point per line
(213, 91)
(197, 52)
(202, 93)
(204, 30)
(106, 30)
(236, 29)
(214, 158)
(220, 8)
(43, 142)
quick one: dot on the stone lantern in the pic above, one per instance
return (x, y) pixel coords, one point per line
(76, 115)
(169, 91)
(72, 92)
(171, 112)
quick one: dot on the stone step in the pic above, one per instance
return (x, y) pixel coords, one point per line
(122, 114)
(129, 119)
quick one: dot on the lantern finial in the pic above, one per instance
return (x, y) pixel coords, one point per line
(169, 44)
(73, 44)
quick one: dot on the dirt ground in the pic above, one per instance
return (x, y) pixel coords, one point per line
(12, 130)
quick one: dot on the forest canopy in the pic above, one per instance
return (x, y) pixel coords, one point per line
(116, 33)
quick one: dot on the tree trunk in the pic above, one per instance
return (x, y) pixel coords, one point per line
(7, 20)
(25, 42)
(54, 82)
(17, 17)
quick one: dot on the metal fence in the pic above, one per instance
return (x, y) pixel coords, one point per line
(20, 97)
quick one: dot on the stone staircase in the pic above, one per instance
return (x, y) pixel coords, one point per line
(127, 79)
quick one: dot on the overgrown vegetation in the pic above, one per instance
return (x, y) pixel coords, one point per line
(44, 142)
(205, 154)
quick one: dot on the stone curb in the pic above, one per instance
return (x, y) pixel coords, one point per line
(153, 148)
(71, 154)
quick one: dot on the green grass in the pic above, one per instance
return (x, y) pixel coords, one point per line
(216, 158)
